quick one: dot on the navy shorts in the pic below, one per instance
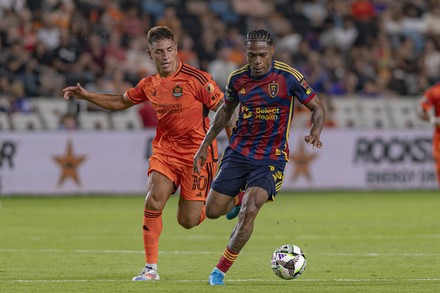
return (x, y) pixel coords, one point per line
(237, 173)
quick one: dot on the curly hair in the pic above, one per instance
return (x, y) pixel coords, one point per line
(259, 36)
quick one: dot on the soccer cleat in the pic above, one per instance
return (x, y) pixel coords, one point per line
(216, 277)
(236, 209)
(147, 274)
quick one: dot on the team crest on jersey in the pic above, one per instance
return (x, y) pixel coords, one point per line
(177, 91)
(210, 88)
(273, 89)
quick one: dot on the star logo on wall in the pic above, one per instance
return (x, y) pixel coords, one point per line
(69, 164)
(301, 163)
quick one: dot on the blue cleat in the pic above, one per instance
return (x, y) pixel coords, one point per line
(233, 213)
(216, 277)
(236, 209)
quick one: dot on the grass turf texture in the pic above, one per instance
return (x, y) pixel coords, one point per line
(353, 241)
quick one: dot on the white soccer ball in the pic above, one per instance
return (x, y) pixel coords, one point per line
(288, 262)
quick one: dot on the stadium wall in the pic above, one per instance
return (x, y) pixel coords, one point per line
(112, 162)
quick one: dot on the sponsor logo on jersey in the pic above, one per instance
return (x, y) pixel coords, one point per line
(304, 83)
(306, 86)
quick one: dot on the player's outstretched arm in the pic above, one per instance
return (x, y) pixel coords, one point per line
(221, 119)
(106, 101)
(318, 119)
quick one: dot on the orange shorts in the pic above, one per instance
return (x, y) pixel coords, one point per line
(193, 186)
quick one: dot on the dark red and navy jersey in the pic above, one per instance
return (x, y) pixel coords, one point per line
(266, 110)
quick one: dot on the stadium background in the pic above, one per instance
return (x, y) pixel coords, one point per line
(369, 61)
(370, 75)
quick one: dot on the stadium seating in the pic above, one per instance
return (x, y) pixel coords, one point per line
(390, 112)
(26, 121)
(375, 113)
(347, 113)
(94, 120)
(51, 111)
(404, 113)
(4, 121)
(126, 120)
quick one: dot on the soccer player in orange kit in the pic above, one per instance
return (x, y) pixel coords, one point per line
(431, 99)
(182, 97)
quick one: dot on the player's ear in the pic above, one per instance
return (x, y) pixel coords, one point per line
(149, 53)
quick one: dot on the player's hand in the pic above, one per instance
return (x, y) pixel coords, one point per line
(76, 90)
(200, 159)
(434, 120)
(314, 141)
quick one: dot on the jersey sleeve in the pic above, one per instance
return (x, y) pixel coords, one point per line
(301, 89)
(137, 94)
(209, 94)
(231, 96)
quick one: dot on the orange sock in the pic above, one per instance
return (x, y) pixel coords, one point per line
(227, 260)
(151, 230)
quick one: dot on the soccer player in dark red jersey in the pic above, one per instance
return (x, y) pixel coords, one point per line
(182, 97)
(258, 150)
(431, 100)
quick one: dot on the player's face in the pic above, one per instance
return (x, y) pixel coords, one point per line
(259, 56)
(164, 55)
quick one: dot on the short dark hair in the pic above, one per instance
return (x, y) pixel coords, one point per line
(158, 33)
(259, 36)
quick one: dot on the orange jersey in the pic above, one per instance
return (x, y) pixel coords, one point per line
(432, 99)
(181, 103)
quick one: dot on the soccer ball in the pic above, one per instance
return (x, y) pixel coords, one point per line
(288, 262)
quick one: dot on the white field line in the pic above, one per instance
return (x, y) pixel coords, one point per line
(56, 250)
(231, 281)
(374, 254)
(208, 237)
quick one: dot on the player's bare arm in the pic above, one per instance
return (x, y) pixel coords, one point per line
(233, 120)
(318, 119)
(106, 101)
(231, 123)
(221, 119)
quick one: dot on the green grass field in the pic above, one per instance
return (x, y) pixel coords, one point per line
(353, 241)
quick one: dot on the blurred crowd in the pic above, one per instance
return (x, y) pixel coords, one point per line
(344, 47)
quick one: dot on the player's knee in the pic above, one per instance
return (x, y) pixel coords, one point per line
(187, 223)
(212, 213)
(152, 204)
(248, 213)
